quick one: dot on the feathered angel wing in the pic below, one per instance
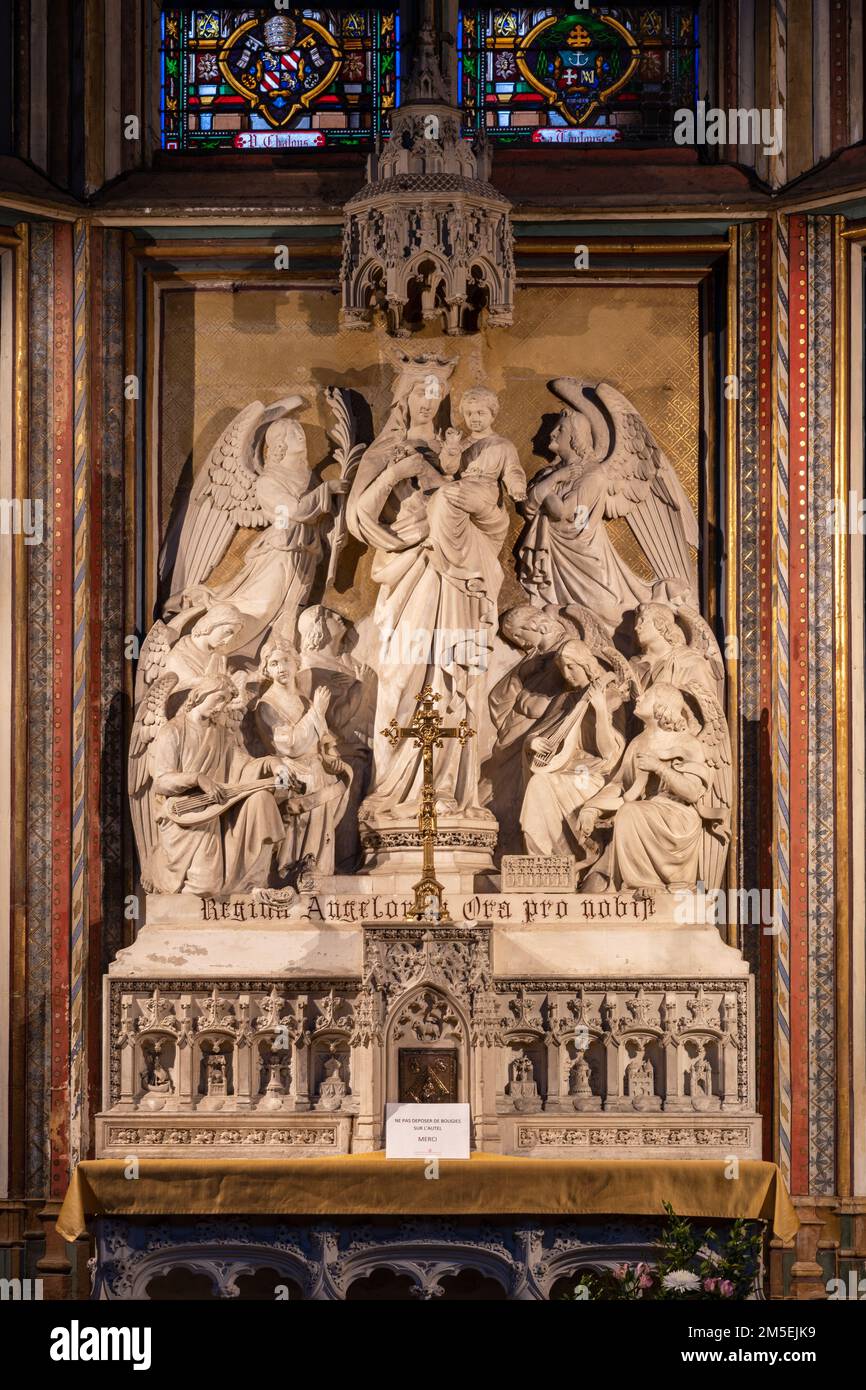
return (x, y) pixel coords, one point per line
(224, 497)
(584, 622)
(701, 638)
(150, 716)
(645, 489)
(715, 739)
(151, 659)
(627, 681)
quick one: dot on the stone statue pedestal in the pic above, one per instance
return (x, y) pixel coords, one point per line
(598, 1025)
(464, 851)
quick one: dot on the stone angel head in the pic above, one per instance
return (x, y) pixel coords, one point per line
(220, 624)
(322, 629)
(664, 706)
(210, 697)
(279, 662)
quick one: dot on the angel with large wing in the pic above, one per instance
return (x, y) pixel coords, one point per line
(608, 465)
(151, 715)
(256, 476)
(677, 646)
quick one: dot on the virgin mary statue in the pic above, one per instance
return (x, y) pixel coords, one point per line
(435, 610)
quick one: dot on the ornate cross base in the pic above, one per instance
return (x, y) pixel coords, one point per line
(464, 851)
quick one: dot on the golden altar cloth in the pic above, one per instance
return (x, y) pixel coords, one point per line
(371, 1185)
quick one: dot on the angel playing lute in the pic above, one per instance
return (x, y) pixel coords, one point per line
(607, 465)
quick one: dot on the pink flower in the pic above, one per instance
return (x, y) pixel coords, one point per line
(710, 1285)
(620, 1272)
(646, 1281)
(642, 1268)
(726, 1288)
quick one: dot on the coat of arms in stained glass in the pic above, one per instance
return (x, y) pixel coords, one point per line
(258, 79)
(604, 73)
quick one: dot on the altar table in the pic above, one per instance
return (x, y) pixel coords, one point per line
(371, 1185)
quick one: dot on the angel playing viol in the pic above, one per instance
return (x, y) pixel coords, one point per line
(257, 476)
(607, 465)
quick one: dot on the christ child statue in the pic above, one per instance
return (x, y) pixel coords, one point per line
(479, 464)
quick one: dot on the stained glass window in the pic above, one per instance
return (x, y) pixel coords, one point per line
(602, 74)
(260, 79)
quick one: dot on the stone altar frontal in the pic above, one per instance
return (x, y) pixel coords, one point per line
(452, 826)
(572, 1035)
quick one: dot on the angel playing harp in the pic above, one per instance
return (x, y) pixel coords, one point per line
(257, 476)
(671, 798)
(607, 465)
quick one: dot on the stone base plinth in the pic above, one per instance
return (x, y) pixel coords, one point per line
(273, 1135)
(650, 1018)
(632, 1136)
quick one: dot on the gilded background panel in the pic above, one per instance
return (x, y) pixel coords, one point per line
(222, 348)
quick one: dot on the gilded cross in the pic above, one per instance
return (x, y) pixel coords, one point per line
(427, 730)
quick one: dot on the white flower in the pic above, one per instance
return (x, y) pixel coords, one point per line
(681, 1281)
(712, 1257)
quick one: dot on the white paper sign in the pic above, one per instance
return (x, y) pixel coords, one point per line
(427, 1131)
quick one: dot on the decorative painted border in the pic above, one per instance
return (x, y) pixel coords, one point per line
(79, 924)
(109, 623)
(781, 708)
(62, 676)
(800, 691)
(753, 456)
(840, 26)
(779, 82)
(39, 696)
(809, 703)
(822, 714)
(16, 1064)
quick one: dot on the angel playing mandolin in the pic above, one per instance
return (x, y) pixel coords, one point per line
(571, 752)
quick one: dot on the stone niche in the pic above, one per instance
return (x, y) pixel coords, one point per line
(333, 558)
